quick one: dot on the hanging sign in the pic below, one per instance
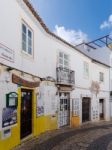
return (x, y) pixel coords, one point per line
(22, 82)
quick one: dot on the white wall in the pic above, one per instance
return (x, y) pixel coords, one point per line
(46, 47)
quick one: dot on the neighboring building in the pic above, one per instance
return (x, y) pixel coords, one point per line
(101, 50)
(45, 82)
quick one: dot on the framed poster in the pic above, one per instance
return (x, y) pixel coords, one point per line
(40, 104)
(9, 117)
(75, 107)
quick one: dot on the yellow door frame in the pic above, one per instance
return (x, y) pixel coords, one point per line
(33, 109)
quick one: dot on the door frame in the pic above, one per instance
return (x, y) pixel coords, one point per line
(59, 109)
(33, 111)
(104, 108)
(89, 109)
(110, 102)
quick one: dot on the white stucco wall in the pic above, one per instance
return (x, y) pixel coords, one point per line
(46, 49)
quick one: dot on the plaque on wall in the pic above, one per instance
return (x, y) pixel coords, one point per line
(6, 53)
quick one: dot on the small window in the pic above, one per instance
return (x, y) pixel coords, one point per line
(101, 76)
(27, 39)
(63, 60)
(86, 69)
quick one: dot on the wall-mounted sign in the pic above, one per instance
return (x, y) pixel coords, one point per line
(9, 116)
(21, 82)
(6, 53)
(12, 99)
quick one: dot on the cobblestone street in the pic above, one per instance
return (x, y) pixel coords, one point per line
(87, 137)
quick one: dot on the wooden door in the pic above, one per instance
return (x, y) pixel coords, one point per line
(26, 113)
(85, 109)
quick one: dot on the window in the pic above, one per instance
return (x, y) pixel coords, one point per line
(63, 60)
(27, 39)
(86, 69)
(101, 76)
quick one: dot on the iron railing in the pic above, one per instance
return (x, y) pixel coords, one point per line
(65, 76)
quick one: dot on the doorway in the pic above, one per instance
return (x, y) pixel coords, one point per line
(101, 108)
(64, 109)
(85, 109)
(26, 113)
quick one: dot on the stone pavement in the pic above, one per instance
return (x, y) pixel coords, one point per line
(97, 136)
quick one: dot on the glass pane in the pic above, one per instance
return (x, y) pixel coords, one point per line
(29, 46)
(101, 76)
(24, 37)
(65, 101)
(65, 56)
(29, 34)
(61, 54)
(60, 61)
(66, 107)
(29, 42)
(23, 28)
(66, 63)
(29, 50)
(23, 46)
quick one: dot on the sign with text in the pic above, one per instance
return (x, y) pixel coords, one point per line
(6, 53)
(21, 82)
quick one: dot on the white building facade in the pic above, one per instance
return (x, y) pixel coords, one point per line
(45, 83)
(101, 50)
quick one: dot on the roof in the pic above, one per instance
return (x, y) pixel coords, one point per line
(39, 19)
(100, 42)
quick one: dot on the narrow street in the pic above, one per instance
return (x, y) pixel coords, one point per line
(97, 136)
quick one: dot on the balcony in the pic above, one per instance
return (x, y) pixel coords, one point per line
(65, 76)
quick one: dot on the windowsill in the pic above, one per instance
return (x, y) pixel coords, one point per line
(27, 56)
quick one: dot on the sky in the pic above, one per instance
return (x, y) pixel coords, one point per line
(76, 21)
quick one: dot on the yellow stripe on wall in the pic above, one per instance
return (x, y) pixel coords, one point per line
(39, 124)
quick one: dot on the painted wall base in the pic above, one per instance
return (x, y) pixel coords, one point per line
(75, 121)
